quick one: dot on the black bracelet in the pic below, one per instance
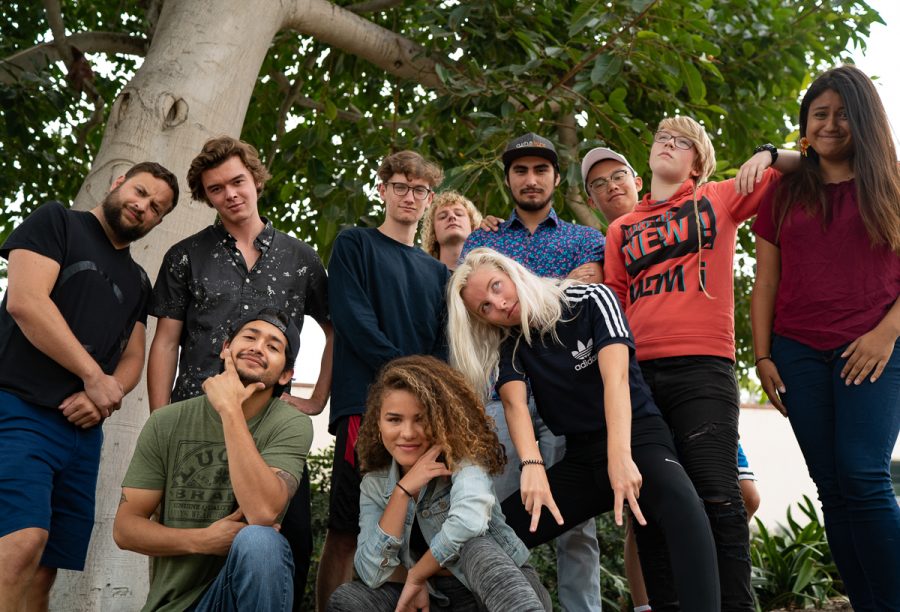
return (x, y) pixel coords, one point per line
(530, 462)
(402, 488)
(763, 358)
(767, 147)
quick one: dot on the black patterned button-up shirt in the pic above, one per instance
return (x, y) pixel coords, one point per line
(204, 282)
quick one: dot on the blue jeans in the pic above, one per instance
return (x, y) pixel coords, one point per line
(577, 551)
(846, 434)
(258, 575)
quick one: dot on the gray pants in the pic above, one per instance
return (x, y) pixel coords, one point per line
(498, 585)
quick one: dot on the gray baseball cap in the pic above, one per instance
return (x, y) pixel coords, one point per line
(597, 155)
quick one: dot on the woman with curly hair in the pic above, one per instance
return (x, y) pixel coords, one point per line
(431, 530)
(826, 319)
(572, 344)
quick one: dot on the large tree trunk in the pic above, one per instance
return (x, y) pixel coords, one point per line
(195, 83)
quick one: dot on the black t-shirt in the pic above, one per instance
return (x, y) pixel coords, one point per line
(100, 291)
(564, 375)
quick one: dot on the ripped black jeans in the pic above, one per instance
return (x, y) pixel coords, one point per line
(698, 397)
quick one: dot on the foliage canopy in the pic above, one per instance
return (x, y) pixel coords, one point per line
(582, 72)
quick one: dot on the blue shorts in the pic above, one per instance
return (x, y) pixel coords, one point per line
(744, 471)
(48, 476)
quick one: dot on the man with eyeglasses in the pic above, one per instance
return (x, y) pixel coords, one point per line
(611, 183)
(387, 301)
(548, 246)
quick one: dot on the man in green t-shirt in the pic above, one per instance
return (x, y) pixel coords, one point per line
(223, 467)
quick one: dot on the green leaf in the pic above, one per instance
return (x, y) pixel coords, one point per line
(693, 80)
(322, 190)
(442, 73)
(584, 7)
(331, 110)
(617, 100)
(606, 66)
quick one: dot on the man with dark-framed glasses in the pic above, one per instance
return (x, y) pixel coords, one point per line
(611, 183)
(387, 301)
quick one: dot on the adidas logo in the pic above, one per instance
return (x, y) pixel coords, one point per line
(584, 355)
(583, 349)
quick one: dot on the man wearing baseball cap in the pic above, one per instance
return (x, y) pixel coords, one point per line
(538, 239)
(611, 183)
(224, 466)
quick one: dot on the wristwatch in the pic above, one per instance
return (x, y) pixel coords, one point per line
(767, 147)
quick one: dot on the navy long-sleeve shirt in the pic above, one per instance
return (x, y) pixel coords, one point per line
(387, 301)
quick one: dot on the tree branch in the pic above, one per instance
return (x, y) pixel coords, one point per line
(372, 6)
(339, 28)
(593, 54)
(354, 115)
(58, 29)
(40, 56)
(151, 11)
(568, 138)
(291, 93)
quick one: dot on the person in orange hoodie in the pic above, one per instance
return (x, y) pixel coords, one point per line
(671, 262)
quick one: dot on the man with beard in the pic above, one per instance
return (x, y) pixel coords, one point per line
(71, 346)
(548, 246)
(223, 466)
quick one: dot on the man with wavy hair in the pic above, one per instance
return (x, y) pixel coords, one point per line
(212, 279)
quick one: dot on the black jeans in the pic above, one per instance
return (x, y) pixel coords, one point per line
(698, 397)
(580, 487)
(296, 527)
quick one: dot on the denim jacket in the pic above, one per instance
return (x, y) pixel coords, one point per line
(450, 511)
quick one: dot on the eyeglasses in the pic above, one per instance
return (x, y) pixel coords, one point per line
(401, 189)
(680, 141)
(616, 178)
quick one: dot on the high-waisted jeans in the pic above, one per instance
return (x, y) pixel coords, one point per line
(847, 434)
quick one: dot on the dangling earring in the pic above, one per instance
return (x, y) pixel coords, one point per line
(804, 147)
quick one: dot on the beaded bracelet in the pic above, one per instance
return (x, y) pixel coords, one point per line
(530, 462)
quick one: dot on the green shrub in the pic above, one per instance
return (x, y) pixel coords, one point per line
(320, 485)
(792, 565)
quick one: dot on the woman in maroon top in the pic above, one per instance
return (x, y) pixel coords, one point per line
(826, 320)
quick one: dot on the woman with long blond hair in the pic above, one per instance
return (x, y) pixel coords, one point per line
(826, 319)
(572, 345)
(431, 530)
